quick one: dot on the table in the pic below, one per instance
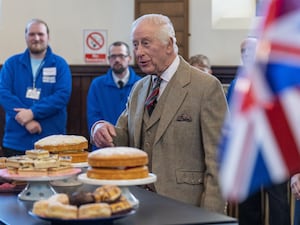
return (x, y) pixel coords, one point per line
(154, 209)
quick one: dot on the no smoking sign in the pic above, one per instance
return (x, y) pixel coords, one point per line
(95, 41)
(95, 45)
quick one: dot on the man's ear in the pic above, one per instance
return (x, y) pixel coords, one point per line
(170, 47)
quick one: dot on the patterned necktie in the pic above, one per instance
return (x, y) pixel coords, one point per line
(152, 98)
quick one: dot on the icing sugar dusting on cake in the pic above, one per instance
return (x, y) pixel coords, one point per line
(118, 151)
(61, 139)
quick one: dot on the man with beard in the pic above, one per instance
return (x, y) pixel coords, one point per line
(35, 88)
(108, 93)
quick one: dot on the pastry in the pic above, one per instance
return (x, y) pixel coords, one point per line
(61, 211)
(40, 207)
(59, 170)
(60, 197)
(37, 154)
(107, 193)
(81, 198)
(94, 210)
(45, 163)
(2, 162)
(34, 164)
(121, 206)
(31, 171)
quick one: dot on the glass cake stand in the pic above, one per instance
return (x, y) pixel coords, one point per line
(123, 184)
(38, 187)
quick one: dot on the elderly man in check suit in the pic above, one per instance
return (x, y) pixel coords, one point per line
(182, 133)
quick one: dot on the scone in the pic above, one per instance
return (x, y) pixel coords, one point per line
(94, 210)
(62, 211)
(60, 197)
(40, 207)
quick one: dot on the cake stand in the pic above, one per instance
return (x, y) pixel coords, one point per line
(123, 184)
(70, 181)
(38, 187)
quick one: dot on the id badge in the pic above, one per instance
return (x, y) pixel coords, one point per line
(33, 93)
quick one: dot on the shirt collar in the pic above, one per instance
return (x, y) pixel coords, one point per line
(124, 79)
(170, 71)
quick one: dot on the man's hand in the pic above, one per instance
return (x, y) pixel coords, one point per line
(295, 185)
(103, 134)
(23, 115)
(33, 127)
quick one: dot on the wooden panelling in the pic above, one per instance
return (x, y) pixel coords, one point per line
(163, 7)
(82, 76)
(177, 11)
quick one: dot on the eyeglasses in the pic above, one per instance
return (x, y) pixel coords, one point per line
(121, 56)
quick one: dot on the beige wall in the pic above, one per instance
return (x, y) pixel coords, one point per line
(68, 18)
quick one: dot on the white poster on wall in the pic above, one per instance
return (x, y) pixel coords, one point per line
(95, 46)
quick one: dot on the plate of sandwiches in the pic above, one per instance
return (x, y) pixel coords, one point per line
(121, 166)
(38, 165)
(103, 205)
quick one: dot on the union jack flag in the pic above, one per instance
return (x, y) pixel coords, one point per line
(260, 144)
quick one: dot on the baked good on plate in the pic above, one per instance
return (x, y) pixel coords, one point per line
(83, 205)
(80, 198)
(60, 197)
(94, 210)
(65, 145)
(121, 206)
(37, 153)
(118, 163)
(40, 207)
(61, 211)
(107, 193)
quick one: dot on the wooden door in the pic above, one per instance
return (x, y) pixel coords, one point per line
(177, 11)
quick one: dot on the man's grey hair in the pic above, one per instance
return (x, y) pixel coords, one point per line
(161, 20)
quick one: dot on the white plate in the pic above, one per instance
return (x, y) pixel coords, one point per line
(150, 179)
(64, 175)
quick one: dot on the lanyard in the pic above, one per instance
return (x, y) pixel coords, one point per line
(37, 72)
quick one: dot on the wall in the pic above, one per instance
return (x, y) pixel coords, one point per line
(68, 18)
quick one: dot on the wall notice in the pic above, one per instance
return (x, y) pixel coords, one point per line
(95, 46)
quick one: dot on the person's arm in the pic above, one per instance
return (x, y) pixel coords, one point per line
(33, 127)
(9, 101)
(295, 185)
(212, 117)
(102, 134)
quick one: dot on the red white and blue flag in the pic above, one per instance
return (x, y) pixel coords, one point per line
(260, 144)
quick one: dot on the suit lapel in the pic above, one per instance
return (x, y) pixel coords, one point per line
(140, 107)
(175, 98)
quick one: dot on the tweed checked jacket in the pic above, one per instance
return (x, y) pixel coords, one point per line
(184, 150)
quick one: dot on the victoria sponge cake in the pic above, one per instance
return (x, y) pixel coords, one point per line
(65, 145)
(60, 142)
(115, 163)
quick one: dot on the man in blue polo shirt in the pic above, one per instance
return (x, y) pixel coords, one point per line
(108, 93)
